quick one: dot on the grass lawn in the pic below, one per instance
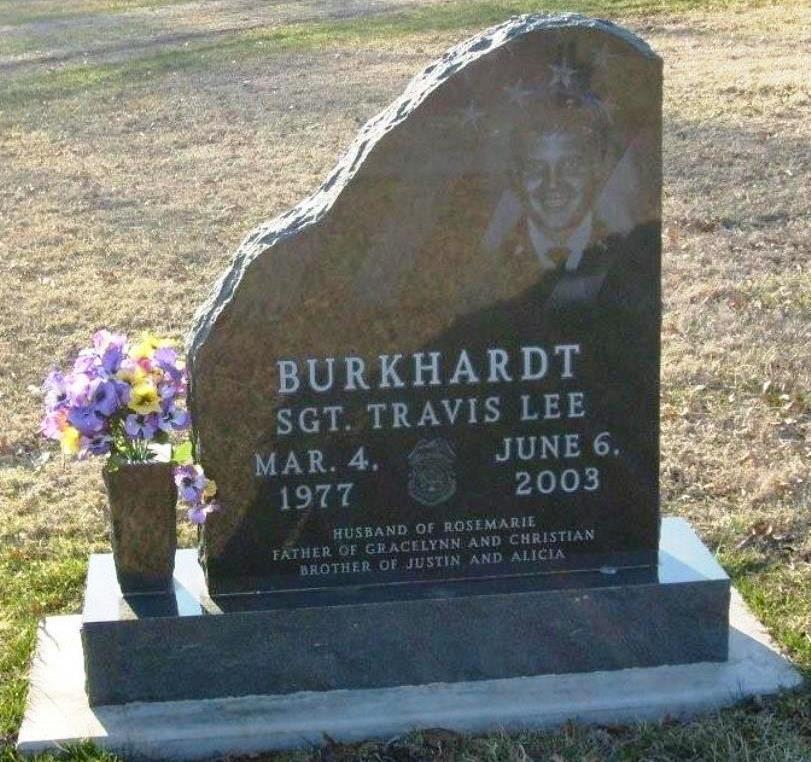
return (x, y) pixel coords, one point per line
(140, 140)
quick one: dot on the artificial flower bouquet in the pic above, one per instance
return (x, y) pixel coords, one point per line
(126, 399)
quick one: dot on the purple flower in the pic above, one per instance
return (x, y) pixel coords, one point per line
(78, 388)
(54, 379)
(173, 419)
(110, 349)
(166, 359)
(123, 390)
(199, 512)
(173, 386)
(141, 426)
(56, 393)
(53, 423)
(104, 397)
(99, 444)
(167, 391)
(86, 420)
(190, 483)
(86, 363)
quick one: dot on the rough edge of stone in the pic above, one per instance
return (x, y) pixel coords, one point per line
(57, 711)
(313, 209)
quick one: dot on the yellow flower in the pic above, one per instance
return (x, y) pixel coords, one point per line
(210, 489)
(131, 373)
(144, 348)
(70, 440)
(144, 398)
(147, 345)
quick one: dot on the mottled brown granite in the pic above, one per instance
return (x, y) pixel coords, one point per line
(142, 499)
(419, 241)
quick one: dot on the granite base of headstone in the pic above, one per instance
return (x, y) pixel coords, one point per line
(188, 646)
(58, 712)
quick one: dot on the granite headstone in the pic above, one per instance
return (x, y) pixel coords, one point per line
(444, 365)
(429, 390)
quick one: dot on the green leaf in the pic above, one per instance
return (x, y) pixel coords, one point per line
(182, 453)
(114, 461)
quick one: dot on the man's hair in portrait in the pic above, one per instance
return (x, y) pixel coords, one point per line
(563, 112)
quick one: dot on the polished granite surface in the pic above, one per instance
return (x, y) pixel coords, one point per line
(682, 559)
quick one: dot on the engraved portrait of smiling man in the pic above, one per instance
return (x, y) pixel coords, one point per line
(558, 172)
(564, 168)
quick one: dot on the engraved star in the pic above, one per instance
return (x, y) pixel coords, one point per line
(472, 115)
(562, 73)
(518, 94)
(602, 57)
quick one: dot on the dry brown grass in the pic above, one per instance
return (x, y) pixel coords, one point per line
(737, 364)
(122, 198)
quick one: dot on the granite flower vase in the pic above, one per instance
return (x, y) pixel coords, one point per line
(142, 499)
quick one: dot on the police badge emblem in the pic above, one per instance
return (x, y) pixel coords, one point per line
(431, 480)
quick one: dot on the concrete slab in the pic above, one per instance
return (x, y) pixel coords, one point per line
(58, 711)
